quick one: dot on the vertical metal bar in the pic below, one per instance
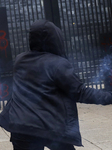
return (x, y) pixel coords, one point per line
(23, 47)
(25, 25)
(105, 16)
(36, 8)
(64, 27)
(101, 17)
(41, 8)
(15, 21)
(11, 26)
(68, 23)
(0, 3)
(28, 14)
(82, 35)
(32, 10)
(48, 10)
(79, 44)
(95, 39)
(109, 14)
(96, 14)
(98, 49)
(90, 32)
(74, 37)
(52, 11)
(88, 48)
(93, 22)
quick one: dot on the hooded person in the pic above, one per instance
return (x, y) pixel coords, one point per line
(43, 111)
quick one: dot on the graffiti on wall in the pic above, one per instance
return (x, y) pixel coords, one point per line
(4, 90)
(106, 43)
(3, 41)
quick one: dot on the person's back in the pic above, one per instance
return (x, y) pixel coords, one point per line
(36, 94)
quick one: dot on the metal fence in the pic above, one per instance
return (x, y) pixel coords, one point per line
(87, 31)
(20, 15)
(87, 24)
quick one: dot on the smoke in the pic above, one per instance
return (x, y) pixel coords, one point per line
(104, 73)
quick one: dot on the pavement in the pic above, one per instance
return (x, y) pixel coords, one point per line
(95, 126)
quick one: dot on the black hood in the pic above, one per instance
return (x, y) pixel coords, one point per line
(44, 36)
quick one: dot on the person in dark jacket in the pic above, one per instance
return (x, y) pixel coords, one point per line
(43, 111)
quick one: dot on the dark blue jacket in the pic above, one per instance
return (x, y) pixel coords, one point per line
(46, 89)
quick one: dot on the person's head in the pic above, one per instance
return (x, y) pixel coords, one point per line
(44, 36)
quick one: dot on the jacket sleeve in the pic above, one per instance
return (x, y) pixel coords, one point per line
(69, 83)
